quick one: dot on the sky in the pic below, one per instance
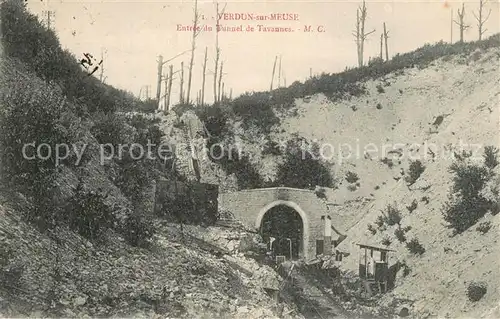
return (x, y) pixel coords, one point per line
(132, 34)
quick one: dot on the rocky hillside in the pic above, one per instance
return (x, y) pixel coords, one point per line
(425, 113)
(84, 249)
(431, 113)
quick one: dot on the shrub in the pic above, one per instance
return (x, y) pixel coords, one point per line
(400, 235)
(466, 205)
(352, 188)
(476, 291)
(375, 61)
(215, 118)
(425, 199)
(379, 106)
(386, 241)
(413, 206)
(351, 177)
(138, 230)
(406, 269)
(132, 178)
(110, 129)
(27, 39)
(392, 216)
(388, 162)
(246, 173)
(380, 88)
(148, 106)
(255, 110)
(415, 247)
(463, 155)
(320, 192)
(484, 227)
(88, 213)
(490, 156)
(31, 115)
(301, 168)
(372, 229)
(10, 271)
(271, 148)
(380, 221)
(416, 169)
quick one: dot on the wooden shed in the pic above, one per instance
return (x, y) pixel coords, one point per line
(374, 266)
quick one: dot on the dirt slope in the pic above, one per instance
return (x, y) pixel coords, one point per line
(464, 90)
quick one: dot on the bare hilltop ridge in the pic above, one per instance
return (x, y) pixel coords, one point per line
(404, 152)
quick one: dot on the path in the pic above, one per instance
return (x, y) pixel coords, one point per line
(312, 299)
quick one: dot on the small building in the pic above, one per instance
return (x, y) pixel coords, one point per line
(374, 267)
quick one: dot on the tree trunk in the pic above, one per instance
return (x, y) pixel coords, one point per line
(158, 87)
(169, 91)
(181, 96)
(202, 98)
(279, 73)
(386, 36)
(217, 51)
(359, 33)
(166, 93)
(220, 80)
(461, 23)
(362, 43)
(274, 70)
(481, 19)
(193, 47)
(381, 42)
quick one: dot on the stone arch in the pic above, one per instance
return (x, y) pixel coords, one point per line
(300, 211)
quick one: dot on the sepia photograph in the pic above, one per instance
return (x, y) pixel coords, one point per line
(266, 159)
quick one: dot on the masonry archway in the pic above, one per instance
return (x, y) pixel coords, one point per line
(298, 210)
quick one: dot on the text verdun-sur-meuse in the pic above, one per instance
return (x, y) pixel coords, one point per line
(259, 17)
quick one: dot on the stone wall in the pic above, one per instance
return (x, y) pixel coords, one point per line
(250, 206)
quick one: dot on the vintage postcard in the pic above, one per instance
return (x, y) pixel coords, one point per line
(249, 159)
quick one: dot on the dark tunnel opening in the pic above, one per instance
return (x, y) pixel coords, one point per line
(285, 225)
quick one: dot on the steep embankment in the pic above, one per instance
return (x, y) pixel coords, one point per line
(423, 114)
(57, 268)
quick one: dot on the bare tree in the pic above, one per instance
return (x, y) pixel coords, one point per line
(381, 44)
(359, 34)
(386, 36)
(279, 73)
(165, 79)
(181, 91)
(102, 78)
(202, 97)
(217, 49)
(161, 63)
(196, 32)
(274, 70)
(461, 24)
(169, 89)
(220, 81)
(158, 83)
(481, 20)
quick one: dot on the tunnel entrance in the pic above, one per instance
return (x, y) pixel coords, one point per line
(282, 229)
